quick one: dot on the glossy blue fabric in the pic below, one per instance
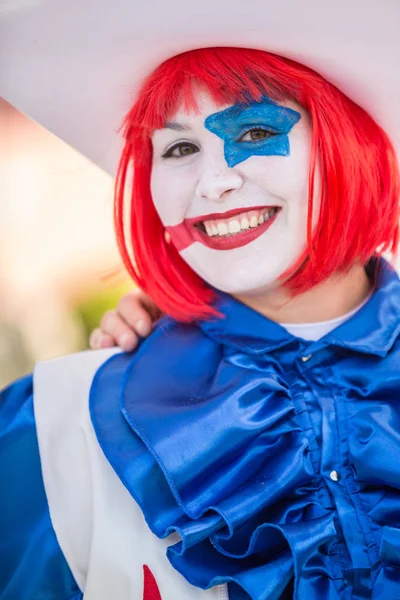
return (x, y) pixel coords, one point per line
(32, 566)
(227, 433)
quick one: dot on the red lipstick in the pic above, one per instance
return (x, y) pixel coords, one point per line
(192, 230)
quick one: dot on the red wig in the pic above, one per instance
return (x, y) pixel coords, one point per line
(359, 173)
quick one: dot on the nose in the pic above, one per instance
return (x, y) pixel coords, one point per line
(217, 180)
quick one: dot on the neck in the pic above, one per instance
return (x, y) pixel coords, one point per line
(330, 299)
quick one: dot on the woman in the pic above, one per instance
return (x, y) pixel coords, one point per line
(254, 436)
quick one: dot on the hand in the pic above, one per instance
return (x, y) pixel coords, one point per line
(133, 318)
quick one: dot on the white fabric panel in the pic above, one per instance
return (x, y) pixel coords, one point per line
(99, 527)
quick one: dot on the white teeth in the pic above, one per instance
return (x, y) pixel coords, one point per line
(222, 229)
(253, 222)
(234, 226)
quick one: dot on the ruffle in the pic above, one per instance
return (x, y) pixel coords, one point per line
(217, 438)
(374, 443)
(193, 458)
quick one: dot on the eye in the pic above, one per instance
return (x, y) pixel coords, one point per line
(256, 134)
(181, 149)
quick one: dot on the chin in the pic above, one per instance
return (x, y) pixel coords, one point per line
(241, 275)
(245, 285)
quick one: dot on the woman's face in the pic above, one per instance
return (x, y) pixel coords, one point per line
(230, 185)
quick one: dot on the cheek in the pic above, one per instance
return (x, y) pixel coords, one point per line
(284, 177)
(171, 192)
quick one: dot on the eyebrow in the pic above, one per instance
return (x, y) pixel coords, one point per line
(176, 126)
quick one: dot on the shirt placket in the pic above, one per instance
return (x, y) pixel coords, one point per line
(337, 474)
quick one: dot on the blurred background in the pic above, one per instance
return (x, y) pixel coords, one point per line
(59, 264)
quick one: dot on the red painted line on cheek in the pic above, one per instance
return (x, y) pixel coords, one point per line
(181, 236)
(150, 587)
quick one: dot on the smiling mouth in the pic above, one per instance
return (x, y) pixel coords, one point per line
(233, 229)
(224, 231)
(236, 223)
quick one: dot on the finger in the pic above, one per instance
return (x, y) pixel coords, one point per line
(149, 305)
(135, 314)
(123, 335)
(98, 340)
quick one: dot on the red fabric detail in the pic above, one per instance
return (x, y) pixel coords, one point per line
(150, 587)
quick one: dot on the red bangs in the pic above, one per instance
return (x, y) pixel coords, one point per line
(359, 173)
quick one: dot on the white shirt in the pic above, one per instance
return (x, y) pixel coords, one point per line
(316, 331)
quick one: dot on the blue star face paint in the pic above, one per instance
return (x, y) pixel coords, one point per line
(234, 125)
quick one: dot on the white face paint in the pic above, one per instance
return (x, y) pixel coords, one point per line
(263, 198)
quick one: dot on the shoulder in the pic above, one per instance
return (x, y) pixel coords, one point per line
(179, 337)
(72, 371)
(21, 401)
(168, 343)
(179, 352)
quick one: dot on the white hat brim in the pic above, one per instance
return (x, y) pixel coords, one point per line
(74, 66)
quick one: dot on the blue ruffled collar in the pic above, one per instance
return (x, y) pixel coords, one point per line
(186, 423)
(372, 330)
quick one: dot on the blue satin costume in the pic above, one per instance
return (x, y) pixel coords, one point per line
(277, 460)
